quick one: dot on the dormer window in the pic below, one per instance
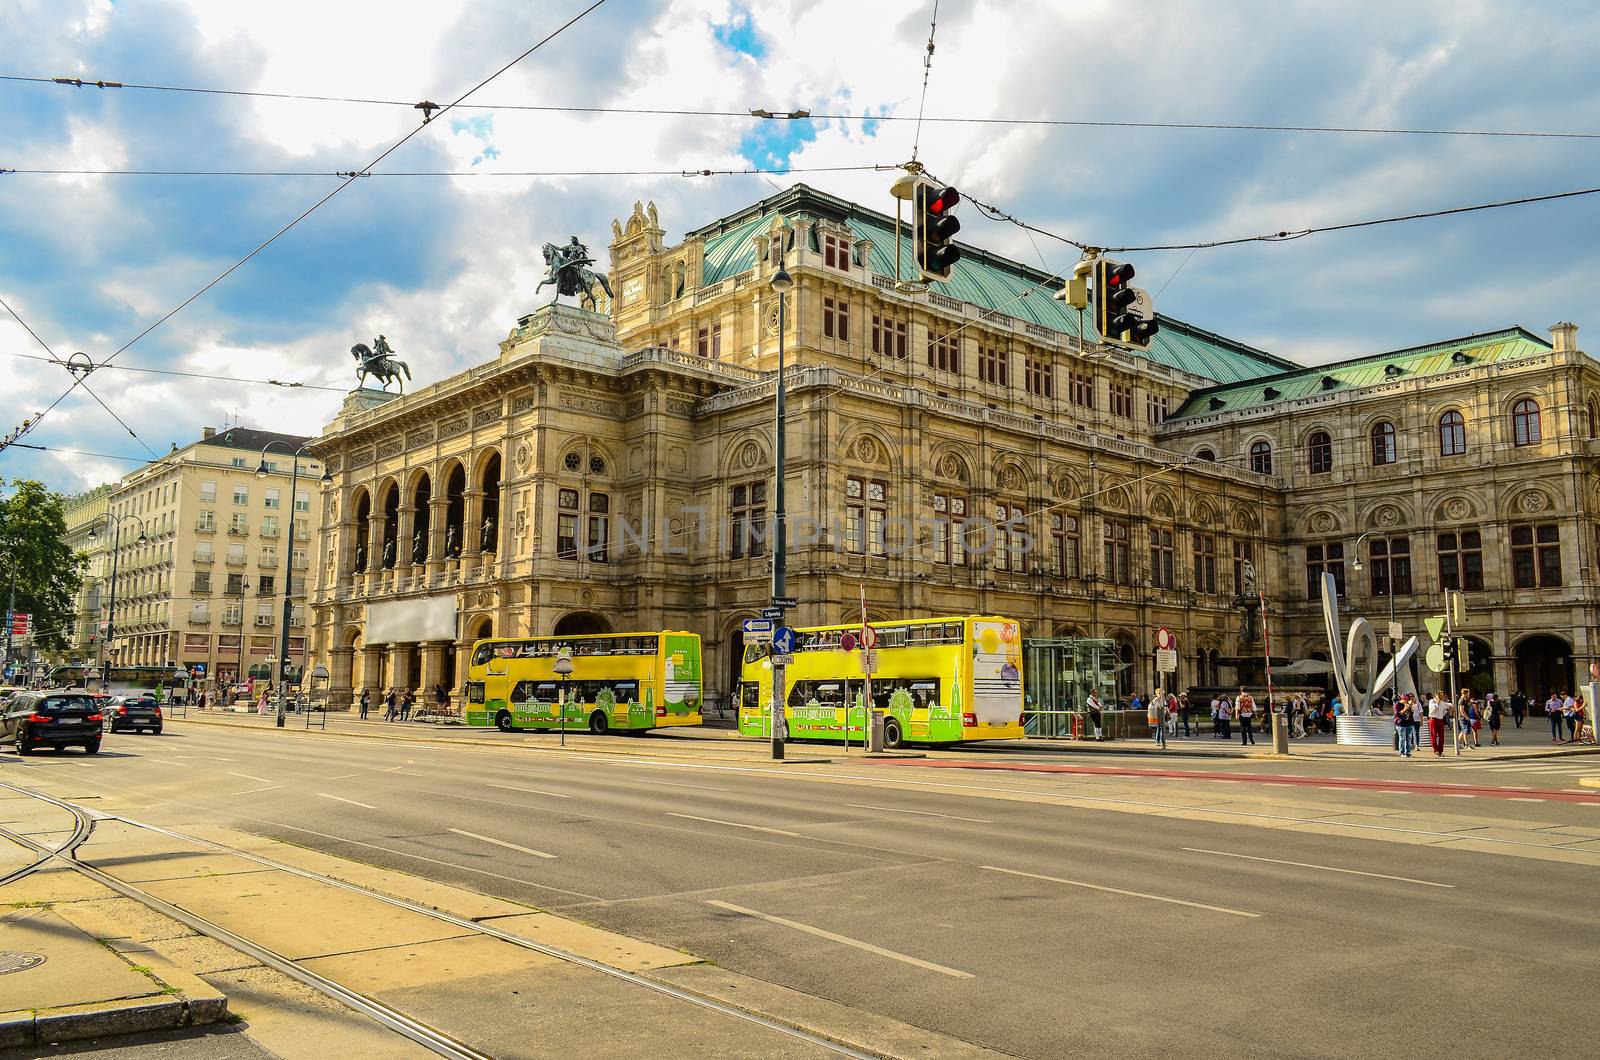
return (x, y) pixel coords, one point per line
(836, 251)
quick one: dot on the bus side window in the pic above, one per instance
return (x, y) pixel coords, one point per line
(852, 692)
(545, 692)
(800, 693)
(829, 693)
(751, 696)
(523, 691)
(883, 690)
(924, 692)
(625, 691)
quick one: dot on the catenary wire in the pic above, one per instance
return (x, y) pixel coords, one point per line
(801, 115)
(314, 206)
(349, 174)
(25, 326)
(194, 375)
(927, 71)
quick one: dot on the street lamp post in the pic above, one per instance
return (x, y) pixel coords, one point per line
(11, 611)
(563, 670)
(282, 669)
(781, 283)
(115, 523)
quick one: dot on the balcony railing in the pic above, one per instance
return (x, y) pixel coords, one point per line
(238, 531)
(269, 531)
(203, 557)
(236, 560)
(205, 526)
(267, 562)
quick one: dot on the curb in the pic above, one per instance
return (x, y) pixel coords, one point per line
(47, 1026)
(1589, 782)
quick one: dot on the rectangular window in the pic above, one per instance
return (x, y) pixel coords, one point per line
(949, 529)
(1117, 568)
(775, 251)
(302, 502)
(298, 559)
(1122, 400)
(708, 340)
(1039, 377)
(1389, 560)
(1163, 559)
(235, 585)
(1010, 531)
(1536, 556)
(241, 495)
(749, 517)
(1064, 534)
(208, 491)
(835, 319)
(836, 252)
(1461, 560)
(202, 581)
(1326, 558)
(1155, 408)
(599, 527)
(270, 500)
(207, 522)
(888, 336)
(264, 586)
(269, 526)
(239, 524)
(1205, 563)
(992, 364)
(233, 614)
(944, 353)
(866, 512)
(1081, 389)
(567, 524)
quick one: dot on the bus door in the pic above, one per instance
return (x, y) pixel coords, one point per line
(752, 709)
(924, 699)
(855, 719)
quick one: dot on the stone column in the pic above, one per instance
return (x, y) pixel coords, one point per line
(439, 514)
(400, 668)
(374, 545)
(471, 527)
(402, 544)
(372, 671)
(433, 654)
(341, 689)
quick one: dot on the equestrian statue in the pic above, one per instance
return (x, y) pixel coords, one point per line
(378, 361)
(568, 268)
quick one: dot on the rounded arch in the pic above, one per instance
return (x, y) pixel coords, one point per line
(868, 445)
(389, 486)
(1455, 508)
(358, 496)
(1522, 501)
(1527, 420)
(481, 461)
(1010, 475)
(478, 627)
(730, 642)
(1160, 504)
(1127, 649)
(1206, 452)
(580, 624)
(1323, 521)
(745, 453)
(352, 638)
(1244, 520)
(454, 477)
(419, 476)
(953, 463)
(1067, 632)
(1303, 435)
(1543, 666)
(1319, 451)
(1385, 513)
(1383, 442)
(1260, 454)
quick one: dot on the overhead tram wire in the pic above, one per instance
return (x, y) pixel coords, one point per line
(391, 149)
(350, 174)
(25, 326)
(804, 115)
(195, 375)
(927, 72)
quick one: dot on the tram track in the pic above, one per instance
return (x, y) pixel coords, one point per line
(415, 1030)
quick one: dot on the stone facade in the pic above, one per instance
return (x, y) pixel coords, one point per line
(84, 513)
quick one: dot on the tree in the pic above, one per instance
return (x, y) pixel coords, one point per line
(34, 550)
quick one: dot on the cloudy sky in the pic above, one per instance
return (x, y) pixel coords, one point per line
(444, 265)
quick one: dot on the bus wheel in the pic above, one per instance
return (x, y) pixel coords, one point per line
(892, 736)
(598, 723)
(503, 721)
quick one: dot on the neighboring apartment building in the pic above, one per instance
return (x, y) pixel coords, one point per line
(206, 589)
(969, 449)
(84, 514)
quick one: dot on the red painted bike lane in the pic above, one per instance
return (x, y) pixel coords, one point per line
(1406, 786)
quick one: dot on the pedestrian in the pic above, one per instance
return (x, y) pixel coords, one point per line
(1225, 719)
(1569, 715)
(366, 702)
(1402, 726)
(261, 703)
(202, 703)
(407, 699)
(1471, 717)
(1135, 704)
(1552, 710)
(1094, 713)
(441, 698)
(1438, 714)
(1216, 709)
(1496, 713)
(1247, 715)
(1184, 710)
(391, 710)
(1156, 715)
(1519, 707)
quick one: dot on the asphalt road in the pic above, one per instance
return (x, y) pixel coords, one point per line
(980, 904)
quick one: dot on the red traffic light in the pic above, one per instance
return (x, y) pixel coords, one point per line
(1119, 276)
(945, 200)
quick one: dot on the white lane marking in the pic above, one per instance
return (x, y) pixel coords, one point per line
(209, 758)
(697, 787)
(846, 940)
(396, 769)
(346, 776)
(1391, 791)
(1515, 798)
(163, 761)
(1119, 890)
(252, 791)
(247, 776)
(736, 824)
(352, 802)
(1454, 795)
(530, 791)
(1325, 868)
(502, 843)
(921, 813)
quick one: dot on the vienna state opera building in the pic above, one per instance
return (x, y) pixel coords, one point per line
(968, 449)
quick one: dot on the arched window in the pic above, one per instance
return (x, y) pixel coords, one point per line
(1383, 442)
(1319, 451)
(1525, 422)
(1589, 418)
(1452, 434)
(1206, 454)
(1261, 457)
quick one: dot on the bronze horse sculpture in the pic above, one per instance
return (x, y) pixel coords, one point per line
(568, 268)
(377, 362)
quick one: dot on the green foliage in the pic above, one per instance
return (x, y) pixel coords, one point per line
(33, 548)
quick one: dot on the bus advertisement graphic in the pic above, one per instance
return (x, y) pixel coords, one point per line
(996, 671)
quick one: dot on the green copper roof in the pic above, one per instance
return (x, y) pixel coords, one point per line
(981, 278)
(1417, 362)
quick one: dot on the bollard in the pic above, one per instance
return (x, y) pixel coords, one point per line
(1280, 734)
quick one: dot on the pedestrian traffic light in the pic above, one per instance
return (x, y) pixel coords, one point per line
(933, 226)
(1124, 315)
(1450, 652)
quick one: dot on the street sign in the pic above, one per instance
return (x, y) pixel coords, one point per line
(869, 637)
(20, 623)
(1397, 632)
(869, 662)
(785, 601)
(783, 660)
(1166, 660)
(774, 613)
(783, 640)
(847, 641)
(757, 630)
(1163, 638)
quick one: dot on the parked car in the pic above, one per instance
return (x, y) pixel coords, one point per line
(51, 719)
(136, 713)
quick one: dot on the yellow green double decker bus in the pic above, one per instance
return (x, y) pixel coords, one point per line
(619, 681)
(937, 681)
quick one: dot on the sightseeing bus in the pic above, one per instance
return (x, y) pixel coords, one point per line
(119, 680)
(627, 681)
(937, 680)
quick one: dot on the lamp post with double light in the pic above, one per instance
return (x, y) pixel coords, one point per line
(262, 470)
(563, 670)
(781, 283)
(114, 523)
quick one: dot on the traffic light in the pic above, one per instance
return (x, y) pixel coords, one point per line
(933, 226)
(1450, 652)
(1124, 315)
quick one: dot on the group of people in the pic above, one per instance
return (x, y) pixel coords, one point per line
(399, 703)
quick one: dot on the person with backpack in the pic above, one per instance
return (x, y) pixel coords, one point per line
(366, 702)
(1496, 714)
(1403, 713)
(1247, 714)
(1156, 715)
(1225, 719)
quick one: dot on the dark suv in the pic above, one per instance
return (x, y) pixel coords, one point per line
(51, 719)
(135, 712)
